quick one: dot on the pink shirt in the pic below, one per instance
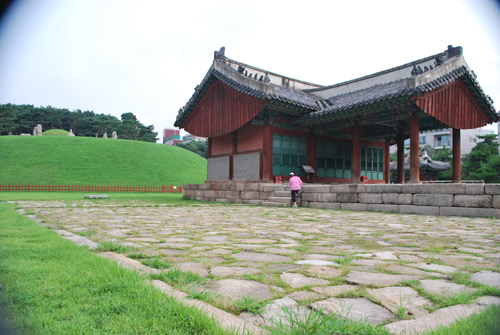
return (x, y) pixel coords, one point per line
(295, 183)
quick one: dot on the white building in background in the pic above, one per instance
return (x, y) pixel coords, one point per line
(189, 138)
(438, 139)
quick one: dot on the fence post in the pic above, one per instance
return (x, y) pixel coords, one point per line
(162, 188)
(180, 189)
(9, 187)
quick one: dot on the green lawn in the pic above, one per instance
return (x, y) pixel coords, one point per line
(52, 286)
(96, 161)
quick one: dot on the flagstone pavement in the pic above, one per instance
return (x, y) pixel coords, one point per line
(385, 269)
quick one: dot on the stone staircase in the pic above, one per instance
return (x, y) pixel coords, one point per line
(279, 196)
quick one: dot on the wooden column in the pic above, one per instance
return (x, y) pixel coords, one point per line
(356, 153)
(457, 169)
(414, 150)
(387, 163)
(267, 157)
(401, 158)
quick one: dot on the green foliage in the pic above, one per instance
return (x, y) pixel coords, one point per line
(52, 286)
(483, 162)
(112, 246)
(22, 118)
(97, 161)
(249, 304)
(198, 147)
(486, 322)
(178, 278)
(318, 324)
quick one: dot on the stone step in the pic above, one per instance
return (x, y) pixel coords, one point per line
(275, 187)
(282, 194)
(275, 204)
(280, 199)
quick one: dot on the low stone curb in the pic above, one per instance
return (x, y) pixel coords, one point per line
(227, 320)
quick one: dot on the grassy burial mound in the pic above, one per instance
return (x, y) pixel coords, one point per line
(56, 132)
(96, 161)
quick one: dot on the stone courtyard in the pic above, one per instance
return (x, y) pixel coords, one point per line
(396, 270)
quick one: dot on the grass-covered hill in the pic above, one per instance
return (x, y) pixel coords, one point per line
(96, 161)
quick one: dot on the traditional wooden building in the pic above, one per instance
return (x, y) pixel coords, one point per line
(260, 124)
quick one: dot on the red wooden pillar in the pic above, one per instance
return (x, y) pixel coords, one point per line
(401, 158)
(457, 169)
(356, 153)
(387, 163)
(209, 147)
(267, 157)
(414, 150)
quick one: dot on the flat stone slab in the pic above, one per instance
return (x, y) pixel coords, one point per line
(315, 262)
(297, 280)
(406, 270)
(384, 255)
(440, 317)
(324, 271)
(375, 278)
(359, 309)
(80, 240)
(283, 267)
(236, 289)
(305, 296)
(393, 298)
(261, 257)
(194, 267)
(274, 314)
(436, 267)
(96, 196)
(226, 271)
(128, 262)
(487, 278)
(282, 251)
(443, 288)
(334, 291)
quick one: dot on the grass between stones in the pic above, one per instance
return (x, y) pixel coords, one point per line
(52, 286)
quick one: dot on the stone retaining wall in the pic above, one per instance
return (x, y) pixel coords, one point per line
(476, 200)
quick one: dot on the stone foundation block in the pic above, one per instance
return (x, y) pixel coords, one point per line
(222, 200)
(188, 193)
(383, 188)
(496, 201)
(310, 196)
(251, 187)
(304, 203)
(316, 188)
(474, 189)
(199, 193)
(370, 198)
(326, 197)
(354, 207)
(397, 198)
(440, 200)
(249, 195)
(220, 194)
(493, 189)
(477, 201)
(433, 188)
(324, 205)
(272, 187)
(383, 208)
(205, 186)
(209, 194)
(472, 212)
(190, 186)
(225, 187)
(347, 197)
(424, 210)
(348, 188)
(237, 187)
(264, 195)
(233, 195)
(252, 201)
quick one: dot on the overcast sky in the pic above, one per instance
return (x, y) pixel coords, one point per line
(146, 57)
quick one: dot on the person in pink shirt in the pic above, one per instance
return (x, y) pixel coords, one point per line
(295, 185)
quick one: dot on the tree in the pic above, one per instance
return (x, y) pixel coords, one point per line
(198, 147)
(480, 163)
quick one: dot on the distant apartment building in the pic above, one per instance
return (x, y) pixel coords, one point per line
(171, 136)
(438, 139)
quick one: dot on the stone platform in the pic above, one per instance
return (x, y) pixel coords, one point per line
(472, 200)
(388, 269)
